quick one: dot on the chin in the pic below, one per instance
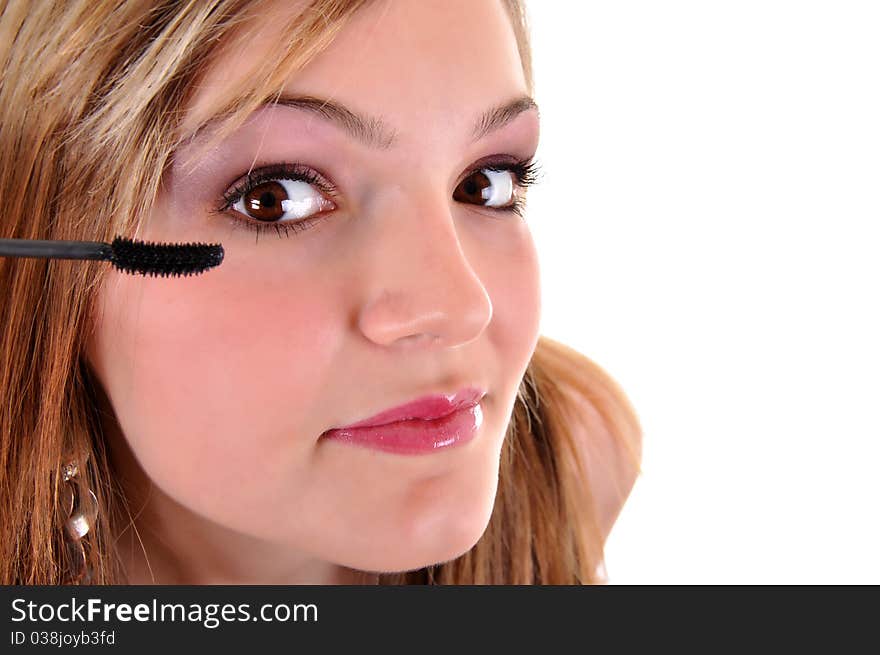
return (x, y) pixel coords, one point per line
(425, 542)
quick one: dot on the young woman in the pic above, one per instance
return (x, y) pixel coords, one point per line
(190, 430)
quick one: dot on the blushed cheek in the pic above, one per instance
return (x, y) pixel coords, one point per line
(212, 380)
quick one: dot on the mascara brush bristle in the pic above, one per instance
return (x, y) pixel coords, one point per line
(162, 259)
(130, 256)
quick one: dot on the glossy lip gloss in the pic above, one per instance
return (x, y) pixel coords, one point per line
(424, 426)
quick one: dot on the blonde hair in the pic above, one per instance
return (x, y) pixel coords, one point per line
(91, 93)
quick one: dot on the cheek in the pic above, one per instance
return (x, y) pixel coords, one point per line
(511, 275)
(210, 381)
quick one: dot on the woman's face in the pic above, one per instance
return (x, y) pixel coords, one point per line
(223, 383)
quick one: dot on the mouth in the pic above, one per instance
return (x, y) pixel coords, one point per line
(415, 436)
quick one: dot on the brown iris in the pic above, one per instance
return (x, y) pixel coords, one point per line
(263, 202)
(472, 187)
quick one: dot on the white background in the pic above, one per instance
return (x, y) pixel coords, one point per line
(707, 230)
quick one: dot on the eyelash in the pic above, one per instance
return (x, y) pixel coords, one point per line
(525, 173)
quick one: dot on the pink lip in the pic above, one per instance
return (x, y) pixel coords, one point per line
(426, 407)
(424, 425)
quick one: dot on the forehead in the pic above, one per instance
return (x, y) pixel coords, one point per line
(414, 64)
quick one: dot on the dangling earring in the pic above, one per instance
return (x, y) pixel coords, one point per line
(81, 509)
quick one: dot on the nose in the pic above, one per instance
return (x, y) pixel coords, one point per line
(424, 289)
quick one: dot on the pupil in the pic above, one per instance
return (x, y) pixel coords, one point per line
(267, 199)
(471, 187)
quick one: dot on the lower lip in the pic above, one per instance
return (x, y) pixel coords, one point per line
(415, 436)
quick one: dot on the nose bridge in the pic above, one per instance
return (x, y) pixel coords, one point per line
(422, 285)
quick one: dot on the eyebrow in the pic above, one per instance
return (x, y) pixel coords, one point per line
(375, 133)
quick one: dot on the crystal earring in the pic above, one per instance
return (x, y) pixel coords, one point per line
(81, 509)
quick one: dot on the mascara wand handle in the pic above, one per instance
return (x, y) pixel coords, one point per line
(47, 248)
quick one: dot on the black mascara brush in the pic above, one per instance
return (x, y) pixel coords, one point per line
(130, 256)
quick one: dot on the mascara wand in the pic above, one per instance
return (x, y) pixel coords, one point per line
(127, 255)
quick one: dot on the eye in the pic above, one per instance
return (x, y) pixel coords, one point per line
(496, 185)
(284, 196)
(491, 188)
(281, 200)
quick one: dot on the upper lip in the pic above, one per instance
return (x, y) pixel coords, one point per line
(425, 408)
